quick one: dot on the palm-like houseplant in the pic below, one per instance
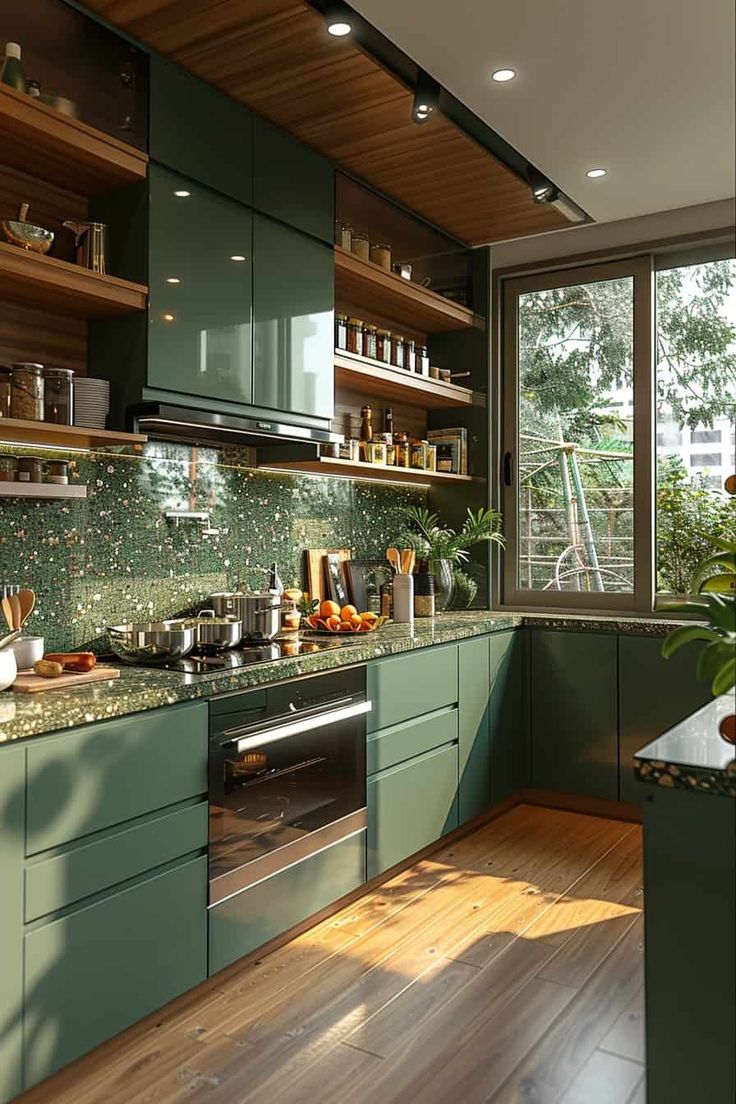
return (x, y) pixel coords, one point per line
(447, 550)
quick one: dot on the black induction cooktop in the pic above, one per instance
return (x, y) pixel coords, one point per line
(199, 664)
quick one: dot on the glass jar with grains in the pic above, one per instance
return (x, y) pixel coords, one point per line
(26, 392)
(58, 396)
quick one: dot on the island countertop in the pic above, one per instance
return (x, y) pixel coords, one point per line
(693, 755)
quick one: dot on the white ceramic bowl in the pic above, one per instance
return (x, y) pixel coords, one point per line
(8, 668)
(27, 650)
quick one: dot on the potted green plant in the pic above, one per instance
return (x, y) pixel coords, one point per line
(445, 550)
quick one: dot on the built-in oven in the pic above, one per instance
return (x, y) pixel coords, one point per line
(287, 775)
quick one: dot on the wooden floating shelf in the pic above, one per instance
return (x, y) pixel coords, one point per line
(349, 469)
(373, 378)
(47, 144)
(16, 431)
(59, 286)
(43, 490)
(386, 294)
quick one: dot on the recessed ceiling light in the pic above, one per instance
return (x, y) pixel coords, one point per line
(595, 173)
(237, 257)
(167, 317)
(173, 280)
(181, 194)
(337, 20)
(502, 75)
(339, 28)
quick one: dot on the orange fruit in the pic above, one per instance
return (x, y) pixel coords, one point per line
(347, 612)
(345, 626)
(369, 618)
(329, 609)
(356, 620)
(333, 623)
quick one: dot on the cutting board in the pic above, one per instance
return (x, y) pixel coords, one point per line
(28, 683)
(315, 562)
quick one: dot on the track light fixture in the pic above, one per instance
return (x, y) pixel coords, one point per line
(426, 98)
(543, 190)
(337, 20)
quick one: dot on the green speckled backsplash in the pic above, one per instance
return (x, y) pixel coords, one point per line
(114, 557)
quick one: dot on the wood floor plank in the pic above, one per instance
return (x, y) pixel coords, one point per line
(605, 1079)
(626, 1037)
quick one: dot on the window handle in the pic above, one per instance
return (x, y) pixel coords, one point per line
(508, 469)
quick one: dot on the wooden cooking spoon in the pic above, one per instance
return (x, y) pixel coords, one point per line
(392, 555)
(15, 607)
(27, 600)
(8, 611)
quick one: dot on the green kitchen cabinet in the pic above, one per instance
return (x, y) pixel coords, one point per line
(199, 131)
(292, 182)
(410, 806)
(474, 749)
(399, 742)
(574, 713)
(654, 694)
(405, 686)
(201, 292)
(12, 826)
(508, 714)
(93, 971)
(293, 321)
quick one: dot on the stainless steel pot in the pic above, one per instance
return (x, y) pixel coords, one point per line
(259, 613)
(216, 634)
(152, 641)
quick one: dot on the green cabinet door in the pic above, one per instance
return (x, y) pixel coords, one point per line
(574, 713)
(199, 131)
(405, 686)
(293, 304)
(653, 695)
(474, 752)
(96, 970)
(411, 806)
(508, 721)
(200, 298)
(12, 845)
(292, 182)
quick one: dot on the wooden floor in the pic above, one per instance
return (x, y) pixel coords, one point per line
(506, 968)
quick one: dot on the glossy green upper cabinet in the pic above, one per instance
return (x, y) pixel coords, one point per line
(292, 182)
(200, 277)
(199, 131)
(574, 713)
(654, 694)
(293, 304)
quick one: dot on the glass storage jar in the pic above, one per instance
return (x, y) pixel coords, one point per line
(422, 365)
(431, 455)
(30, 469)
(355, 335)
(4, 392)
(56, 471)
(341, 331)
(402, 454)
(343, 235)
(26, 392)
(397, 350)
(8, 469)
(410, 355)
(370, 342)
(418, 454)
(359, 245)
(383, 346)
(381, 255)
(58, 396)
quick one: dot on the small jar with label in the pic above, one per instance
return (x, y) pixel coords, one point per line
(4, 392)
(381, 255)
(355, 335)
(431, 457)
(8, 469)
(397, 350)
(402, 454)
(424, 605)
(330, 450)
(410, 355)
(30, 469)
(26, 392)
(343, 235)
(387, 598)
(369, 341)
(422, 365)
(349, 449)
(375, 452)
(390, 454)
(341, 331)
(418, 455)
(58, 396)
(359, 245)
(383, 346)
(56, 471)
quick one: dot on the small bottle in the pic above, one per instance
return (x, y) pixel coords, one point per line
(388, 421)
(275, 586)
(12, 70)
(366, 432)
(403, 599)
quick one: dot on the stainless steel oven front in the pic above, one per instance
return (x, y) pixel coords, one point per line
(287, 775)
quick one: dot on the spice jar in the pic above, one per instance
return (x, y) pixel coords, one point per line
(58, 396)
(383, 346)
(26, 392)
(341, 331)
(4, 392)
(355, 335)
(369, 341)
(381, 255)
(422, 365)
(418, 455)
(343, 235)
(402, 453)
(424, 605)
(431, 464)
(30, 469)
(56, 471)
(387, 598)
(375, 452)
(359, 245)
(410, 355)
(397, 350)
(8, 469)
(349, 449)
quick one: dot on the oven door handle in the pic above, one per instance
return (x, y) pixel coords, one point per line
(296, 727)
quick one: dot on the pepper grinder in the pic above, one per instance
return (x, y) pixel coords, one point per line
(403, 598)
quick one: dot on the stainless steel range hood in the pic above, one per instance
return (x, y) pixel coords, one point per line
(179, 423)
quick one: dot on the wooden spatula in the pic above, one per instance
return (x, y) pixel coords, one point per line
(8, 611)
(27, 600)
(15, 607)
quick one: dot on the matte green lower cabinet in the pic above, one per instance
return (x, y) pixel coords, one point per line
(253, 917)
(654, 694)
(405, 686)
(474, 750)
(101, 967)
(508, 715)
(12, 829)
(410, 806)
(574, 713)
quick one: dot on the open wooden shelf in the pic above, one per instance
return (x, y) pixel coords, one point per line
(349, 469)
(47, 144)
(16, 431)
(43, 490)
(388, 295)
(59, 286)
(373, 378)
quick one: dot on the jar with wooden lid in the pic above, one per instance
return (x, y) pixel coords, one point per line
(383, 346)
(26, 392)
(4, 392)
(341, 331)
(30, 469)
(397, 350)
(355, 335)
(58, 396)
(381, 255)
(410, 355)
(401, 454)
(359, 245)
(424, 605)
(370, 343)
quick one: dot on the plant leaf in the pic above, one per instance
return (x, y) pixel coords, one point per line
(725, 679)
(719, 584)
(701, 608)
(722, 612)
(684, 635)
(712, 658)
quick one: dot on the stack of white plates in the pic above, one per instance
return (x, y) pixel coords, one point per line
(91, 402)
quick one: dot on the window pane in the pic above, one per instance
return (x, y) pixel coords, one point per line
(575, 410)
(696, 406)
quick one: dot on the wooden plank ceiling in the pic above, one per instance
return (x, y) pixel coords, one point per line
(275, 56)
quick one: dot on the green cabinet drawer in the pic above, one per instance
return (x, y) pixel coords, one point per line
(408, 685)
(653, 695)
(410, 738)
(199, 131)
(120, 854)
(94, 972)
(103, 774)
(574, 713)
(508, 721)
(474, 756)
(12, 822)
(260, 913)
(278, 162)
(411, 806)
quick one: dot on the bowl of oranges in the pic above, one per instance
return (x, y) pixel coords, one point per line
(333, 618)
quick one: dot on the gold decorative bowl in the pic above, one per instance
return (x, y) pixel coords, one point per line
(28, 236)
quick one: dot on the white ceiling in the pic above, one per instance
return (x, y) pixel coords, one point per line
(644, 88)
